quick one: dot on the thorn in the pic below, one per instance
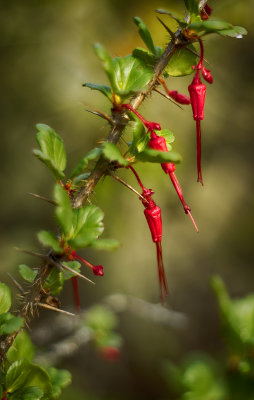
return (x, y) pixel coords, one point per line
(60, 265)
(16, 283)
(31, 253)
(43, 305)
(167, 29)
(102, 115)
(196, 54)
(168, 97)
(37, 196)
(127, 185)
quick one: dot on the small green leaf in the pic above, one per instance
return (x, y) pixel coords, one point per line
(105, 244)
(59, 378)
(168, 135)
(140, 138)
(9, 323)
(29, 393)
(91, 155)
(82, 177)
(156, 156)
(52, 151)
(54, 281)
(75, 265)
(145, 56)
(49, 239)
(87, 226)
(145, 34)
(5, 298)
(100, 88)
(181, 62)
(236, 32)
(21, 349)
(112, 153)
(210, 26)
(100, 318)
(27, 273)
(17, 375)
(192, 7)
(103, 55)
(63, 210)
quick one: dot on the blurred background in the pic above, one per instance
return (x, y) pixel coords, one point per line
(46, 55)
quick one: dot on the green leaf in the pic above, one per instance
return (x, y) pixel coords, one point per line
(91, 155)
(5, 298)
(63, 210)
(107, 63)
(49, 239)
(100, 88)
(87, 226)
(75, 265)
(105, 244)
(112, 153)
(100, 318)
(54, 281)
(29, 393)
(27, 273)
(21, 349)
(52, 151)
(17, 375)
(145, 34)
(38, 377)
(192, 6)
(236, 32)
(9, 323)
(168, 135)
(81, 177)
(181, 62)
(130, 75)
(210, 26)
(156, 156)
(140, 138)
(145, 56)
(59, 378)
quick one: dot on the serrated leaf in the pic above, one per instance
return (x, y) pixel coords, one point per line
(27, 273)
(210, 26)
(91, 155)
(9, 323)
(38, 377)
(59, 378)
(180, 64)
(21, 349)
(105, 90)
(130, 75)
(63, 210)
(237, 32)
(29, 393)
(54, 281)
(17, 375)
(145, 56)
(52, 151)
(112, 153)
(105, 244)
(145, 34)
(75, 265)
(87, 226)
(168, 135)
(5, 298)
(49, 239)
(156, 156)
(140, 138)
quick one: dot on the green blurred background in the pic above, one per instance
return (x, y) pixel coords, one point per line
(46, 55)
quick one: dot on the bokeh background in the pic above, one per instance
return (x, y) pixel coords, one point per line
(46, 54)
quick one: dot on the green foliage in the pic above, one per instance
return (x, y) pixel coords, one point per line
(126, 75)
(112, 153)
(54, 281)
(9, 323)
(49, 239)
(21, 349)
(192, 8)
(140, 138)
(156, 156)
(59, 379)
(146, 36)
(63, 211)
(52, 151)
(75, 265)
(105, 90)
(181, 62)
(221, 27)
(27, 273)
(105, 244)
(82, 165)
(5, 298)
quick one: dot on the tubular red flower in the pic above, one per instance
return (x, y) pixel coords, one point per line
(149, 125)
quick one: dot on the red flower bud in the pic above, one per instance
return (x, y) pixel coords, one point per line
(110, 353)
(98, 270)
(180, 98)
(206, 12)
(207, 75)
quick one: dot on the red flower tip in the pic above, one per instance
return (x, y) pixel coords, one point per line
(180, 98)
(207, 75)
(110, 353)
(154, 126)
(98, 270)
